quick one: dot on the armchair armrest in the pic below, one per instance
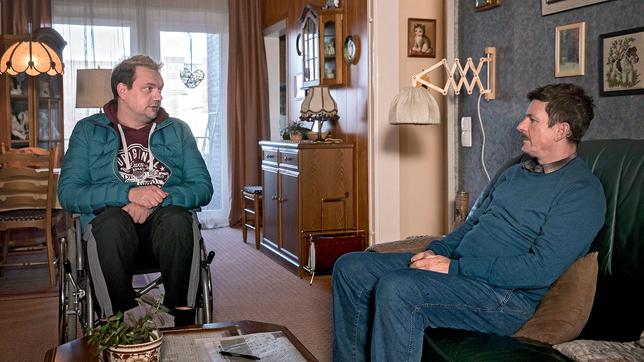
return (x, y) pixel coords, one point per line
(414, 244)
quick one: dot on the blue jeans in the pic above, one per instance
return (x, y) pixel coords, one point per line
(381, 307)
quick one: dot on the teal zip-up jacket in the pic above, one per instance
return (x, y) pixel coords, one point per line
(90, 180)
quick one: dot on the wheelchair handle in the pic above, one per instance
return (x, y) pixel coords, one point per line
(67, 266)
(211, 255)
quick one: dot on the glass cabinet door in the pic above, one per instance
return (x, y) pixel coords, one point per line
(329, 50)
(48, 111)
(332, 66)
(19, 111)
(310, 52)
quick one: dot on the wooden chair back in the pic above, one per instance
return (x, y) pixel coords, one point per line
(27, 195)
(23, 157)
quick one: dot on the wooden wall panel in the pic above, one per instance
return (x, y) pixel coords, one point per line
(352, 126)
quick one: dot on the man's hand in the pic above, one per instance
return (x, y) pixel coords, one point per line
(138, 213)
(427, 260)
(147, 196)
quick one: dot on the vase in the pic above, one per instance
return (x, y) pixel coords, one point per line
(140, 352)
(296, 136)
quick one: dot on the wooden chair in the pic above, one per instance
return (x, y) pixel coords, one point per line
(26, 201)
(252, 212)
(32, 162)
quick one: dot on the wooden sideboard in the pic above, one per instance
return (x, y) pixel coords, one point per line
(308, 188)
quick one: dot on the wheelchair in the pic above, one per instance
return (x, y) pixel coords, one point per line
(77, 305)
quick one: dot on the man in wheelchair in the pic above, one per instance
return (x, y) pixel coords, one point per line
(133, 174)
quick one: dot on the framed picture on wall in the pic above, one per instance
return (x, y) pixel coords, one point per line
(620, 66)
(421, 38)
(554, 6)
(486, 4)
(570, 50)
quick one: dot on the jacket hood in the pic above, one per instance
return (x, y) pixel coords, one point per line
(111, 107)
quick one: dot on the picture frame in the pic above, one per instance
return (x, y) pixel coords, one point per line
(621, 72)
(480, 5)
(421, 38)
(570, 52)
(554, 6)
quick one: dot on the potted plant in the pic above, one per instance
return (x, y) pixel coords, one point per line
(296, 131)
(125, 337)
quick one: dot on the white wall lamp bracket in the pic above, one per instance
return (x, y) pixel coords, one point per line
(489, 90)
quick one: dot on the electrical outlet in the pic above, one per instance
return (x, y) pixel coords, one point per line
(466, 131)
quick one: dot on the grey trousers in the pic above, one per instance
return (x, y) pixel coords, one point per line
(117, 247)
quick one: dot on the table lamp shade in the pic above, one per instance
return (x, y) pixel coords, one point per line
(414, 105)
(93, 87)
(318, 104)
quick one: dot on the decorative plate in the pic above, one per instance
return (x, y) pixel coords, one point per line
(350, 50)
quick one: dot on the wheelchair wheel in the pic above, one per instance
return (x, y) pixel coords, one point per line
(204, 294)
(204, 298)
(75, 294)
(67, 315)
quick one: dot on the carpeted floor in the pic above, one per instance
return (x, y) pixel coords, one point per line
(257, 288)
(246, 285)
(25, 280)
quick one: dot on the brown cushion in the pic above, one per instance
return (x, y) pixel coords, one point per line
(565, 308)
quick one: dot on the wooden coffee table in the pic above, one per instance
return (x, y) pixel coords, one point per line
(81, 350)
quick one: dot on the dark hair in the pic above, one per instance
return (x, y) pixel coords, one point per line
(566, 103)
(124, 72)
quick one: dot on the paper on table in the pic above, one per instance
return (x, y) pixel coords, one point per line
(182, 347)
(269, 347)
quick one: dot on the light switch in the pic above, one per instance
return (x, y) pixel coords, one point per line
(466, 131)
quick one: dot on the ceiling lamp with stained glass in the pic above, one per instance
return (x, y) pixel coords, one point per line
(30, 57)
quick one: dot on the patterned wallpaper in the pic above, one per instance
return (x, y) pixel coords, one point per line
(525, 50)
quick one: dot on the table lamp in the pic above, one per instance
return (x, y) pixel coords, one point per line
(318, 106)
(93, 88)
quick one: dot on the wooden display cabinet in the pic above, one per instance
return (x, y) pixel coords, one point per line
(308, 187)
(321, 46)
(32, 107)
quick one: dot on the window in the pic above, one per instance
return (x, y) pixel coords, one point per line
(81, 53)
(200, 106)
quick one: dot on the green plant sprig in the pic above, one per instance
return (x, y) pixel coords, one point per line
(117, 330)
(297, 127)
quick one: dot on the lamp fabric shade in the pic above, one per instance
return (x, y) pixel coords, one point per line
(32, 58)
(93, 87)
(318, 104)
(414, 105)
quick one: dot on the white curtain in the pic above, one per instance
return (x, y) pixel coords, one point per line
(190, 34)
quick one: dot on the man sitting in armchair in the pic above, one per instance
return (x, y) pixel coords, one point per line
(489, 274)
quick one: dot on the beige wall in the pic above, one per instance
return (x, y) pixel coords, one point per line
(422, 148)
(407, 167)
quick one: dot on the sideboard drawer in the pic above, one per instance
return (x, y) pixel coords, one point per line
(288, 158)
(270, 156)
